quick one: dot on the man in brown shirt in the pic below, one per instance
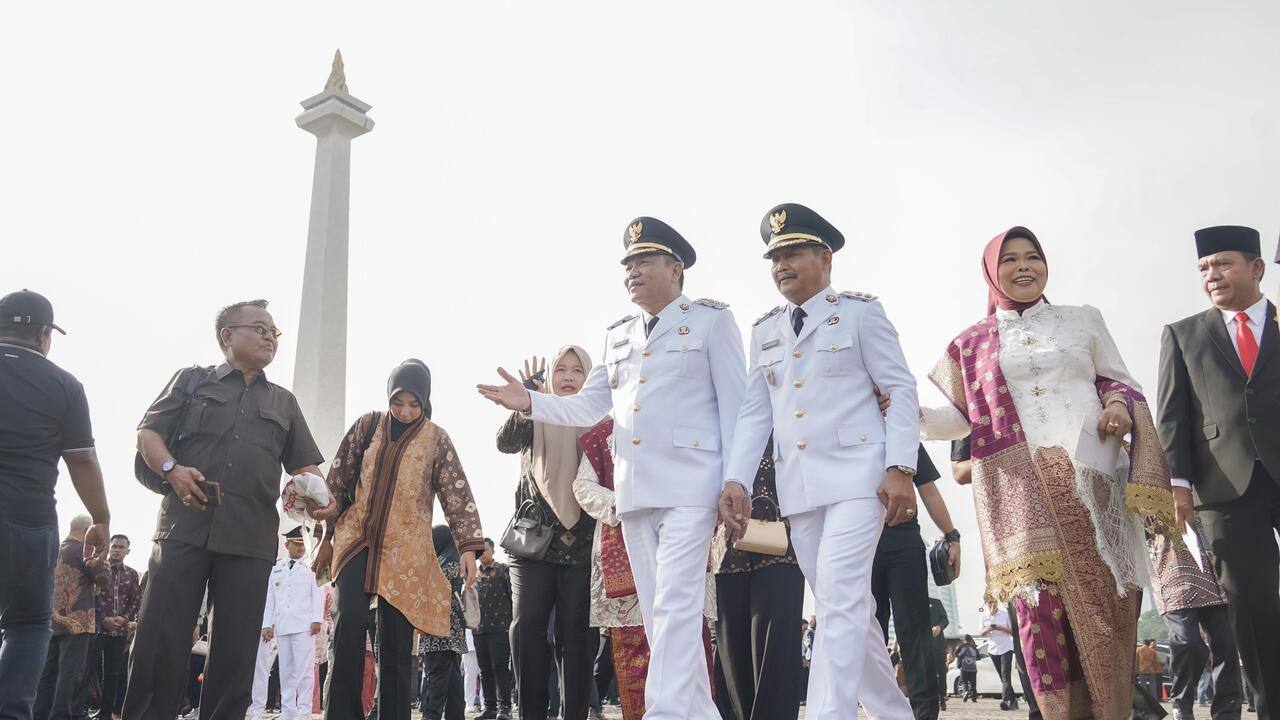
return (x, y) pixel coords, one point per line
(238, 430)
(60, 692)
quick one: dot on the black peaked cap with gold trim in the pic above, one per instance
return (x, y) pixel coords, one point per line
(791, 224)
(646, 235)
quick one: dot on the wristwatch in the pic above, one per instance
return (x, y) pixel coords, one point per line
(168, 465)
(909, 472)
(953, 536)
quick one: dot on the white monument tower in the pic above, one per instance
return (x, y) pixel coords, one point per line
(320, 369)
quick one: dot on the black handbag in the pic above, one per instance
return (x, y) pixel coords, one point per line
(939, 565)
(150, 479)
(527, 538)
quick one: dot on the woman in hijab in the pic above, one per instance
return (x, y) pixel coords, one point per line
(389, 470)
(1062, 540)
(442, 679)
(561, 579)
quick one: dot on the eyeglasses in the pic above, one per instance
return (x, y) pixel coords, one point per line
(262, 330)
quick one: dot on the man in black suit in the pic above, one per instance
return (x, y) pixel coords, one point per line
(1219, 407)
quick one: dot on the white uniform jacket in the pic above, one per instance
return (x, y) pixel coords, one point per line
(293, 599)
(815, 393)
(675, 398)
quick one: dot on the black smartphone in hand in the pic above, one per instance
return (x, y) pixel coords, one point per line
(540, 376)
(212, 491)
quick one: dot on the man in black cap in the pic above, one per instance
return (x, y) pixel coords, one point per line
(43, 416)
(1219, 423)
(218, 521)
(843, 469)
(672, 376)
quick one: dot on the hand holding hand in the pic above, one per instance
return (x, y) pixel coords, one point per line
(513, 395)
(1114, 420)
(735, 509)
(183, 480)
(268, 634)
(315, 628)
(898, 494)
(883, 400)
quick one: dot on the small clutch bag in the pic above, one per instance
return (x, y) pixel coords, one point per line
(939, 563)
(767, 537)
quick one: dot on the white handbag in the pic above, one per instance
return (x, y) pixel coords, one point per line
(767, 537)
(201, 646)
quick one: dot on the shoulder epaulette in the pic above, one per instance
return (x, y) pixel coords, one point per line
(716, 304)
(767, 315)
(864, 297)
(624, 320)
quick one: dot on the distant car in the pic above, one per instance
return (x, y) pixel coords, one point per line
(988, 682)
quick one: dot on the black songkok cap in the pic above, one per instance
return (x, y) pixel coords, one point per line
(294, 534)
(646, 235)
(791, 224)
(27, 308)
(1224, 238)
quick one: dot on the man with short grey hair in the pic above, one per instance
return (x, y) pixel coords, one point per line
(44, 416)
(220, 450)
(61, 691)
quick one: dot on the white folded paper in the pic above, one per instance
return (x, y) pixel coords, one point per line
(1093, 453)
(306, 486)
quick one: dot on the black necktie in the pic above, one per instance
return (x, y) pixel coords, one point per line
(648, 327)
(291, 562)
(797, 320)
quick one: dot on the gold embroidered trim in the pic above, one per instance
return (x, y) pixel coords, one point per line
(1149, 501)
(1011, 577)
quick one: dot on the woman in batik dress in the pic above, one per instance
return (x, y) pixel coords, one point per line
(1063, 541)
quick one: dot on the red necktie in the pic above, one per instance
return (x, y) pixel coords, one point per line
(1246, 342)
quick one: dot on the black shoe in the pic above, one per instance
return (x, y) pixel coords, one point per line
(489, 714)
(942, 703)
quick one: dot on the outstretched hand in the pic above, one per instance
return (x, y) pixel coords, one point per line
(512, 396)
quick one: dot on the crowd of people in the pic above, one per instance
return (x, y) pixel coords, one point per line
(672, 502)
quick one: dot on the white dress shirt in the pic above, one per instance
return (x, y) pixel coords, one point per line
(1001, 642)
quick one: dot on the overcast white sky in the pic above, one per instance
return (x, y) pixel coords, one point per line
(152, 172)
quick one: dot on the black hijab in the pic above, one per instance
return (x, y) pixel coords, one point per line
(442, 537)
(411, 376)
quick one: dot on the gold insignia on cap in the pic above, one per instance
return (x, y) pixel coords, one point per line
(682, 330)
(777, 221)
(635, 230)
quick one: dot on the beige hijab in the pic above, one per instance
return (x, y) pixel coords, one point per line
(556, 453)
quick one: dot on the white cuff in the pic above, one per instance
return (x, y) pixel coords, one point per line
(1180, 482)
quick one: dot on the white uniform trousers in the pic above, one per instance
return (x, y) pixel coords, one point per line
(297, 653)
(669, 550)
(835, 546)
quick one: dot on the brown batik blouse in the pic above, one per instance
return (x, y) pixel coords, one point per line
(392, 515)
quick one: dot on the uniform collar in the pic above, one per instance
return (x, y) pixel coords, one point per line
(668, 317)
(817, 309)
(225, 369)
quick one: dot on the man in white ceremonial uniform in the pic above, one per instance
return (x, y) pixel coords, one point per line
(842, 469)
(673, 377)
(293, 617)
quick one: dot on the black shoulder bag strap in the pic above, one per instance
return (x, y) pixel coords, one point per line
(145, 475)
(364, 445)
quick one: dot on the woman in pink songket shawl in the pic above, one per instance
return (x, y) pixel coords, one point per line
(1063, 541)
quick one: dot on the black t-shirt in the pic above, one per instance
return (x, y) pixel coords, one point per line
(43, 413)
(926, 472)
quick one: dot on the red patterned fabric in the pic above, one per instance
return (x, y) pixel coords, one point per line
(631, 666)
(615, 566)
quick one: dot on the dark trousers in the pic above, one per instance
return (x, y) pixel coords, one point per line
(493, 655)
(394, 642)
(1033, 710)
(604, 670)
(28, 554)
(758, 640)
(60, 694)
(177, 575)
(106, 661)
(1188, 655)
(537, 588)
(900, 585)
(443, 683)
(1247, 561)
(1004, 668)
